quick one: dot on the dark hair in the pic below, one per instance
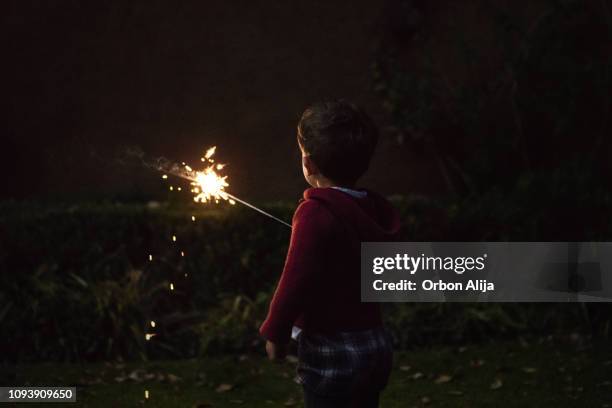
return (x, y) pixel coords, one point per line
(340, 138)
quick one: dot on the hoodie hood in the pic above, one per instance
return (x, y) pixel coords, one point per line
(373, 217)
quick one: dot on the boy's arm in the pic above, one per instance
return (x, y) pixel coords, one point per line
(309, 238)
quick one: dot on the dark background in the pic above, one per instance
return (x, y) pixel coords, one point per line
(83, 79)
(460, 89)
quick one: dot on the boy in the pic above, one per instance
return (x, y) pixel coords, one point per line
(343, 351)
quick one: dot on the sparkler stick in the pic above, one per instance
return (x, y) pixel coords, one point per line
(257, 209)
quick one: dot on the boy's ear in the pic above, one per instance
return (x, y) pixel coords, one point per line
(309, 165)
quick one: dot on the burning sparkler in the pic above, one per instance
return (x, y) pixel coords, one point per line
(208, 184)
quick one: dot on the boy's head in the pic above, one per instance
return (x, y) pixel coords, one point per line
(337, 140)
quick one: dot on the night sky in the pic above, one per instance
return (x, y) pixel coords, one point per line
(84, 79)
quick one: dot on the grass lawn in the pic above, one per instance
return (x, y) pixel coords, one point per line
(510, 374)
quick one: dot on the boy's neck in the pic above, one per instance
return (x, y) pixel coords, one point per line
(335, 185)
(326, 183)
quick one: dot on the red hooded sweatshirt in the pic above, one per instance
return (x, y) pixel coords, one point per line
(319, 290)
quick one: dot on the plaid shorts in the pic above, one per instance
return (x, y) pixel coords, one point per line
(344, 363)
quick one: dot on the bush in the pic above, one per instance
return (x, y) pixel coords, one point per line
(77, 283)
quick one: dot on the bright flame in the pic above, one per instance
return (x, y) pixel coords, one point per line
(208, 184)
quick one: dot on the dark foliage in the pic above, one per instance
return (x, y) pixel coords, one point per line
(77, 283)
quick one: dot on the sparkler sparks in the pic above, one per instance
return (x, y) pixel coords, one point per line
(207, 184)
(209, 153)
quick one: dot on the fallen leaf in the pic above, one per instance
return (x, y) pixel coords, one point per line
(404, 368)
(425, 400)
(135, 376)
(529, 370)
(292, 359)
(477, 363)
(443, 378)
(224, 387)
(171, 378)
(416, 376)
(497, 384)
(290, 402)
(456, 393)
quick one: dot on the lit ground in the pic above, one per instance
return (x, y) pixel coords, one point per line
(509, 375)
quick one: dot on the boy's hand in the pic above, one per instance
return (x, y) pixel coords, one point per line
(276, 352)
